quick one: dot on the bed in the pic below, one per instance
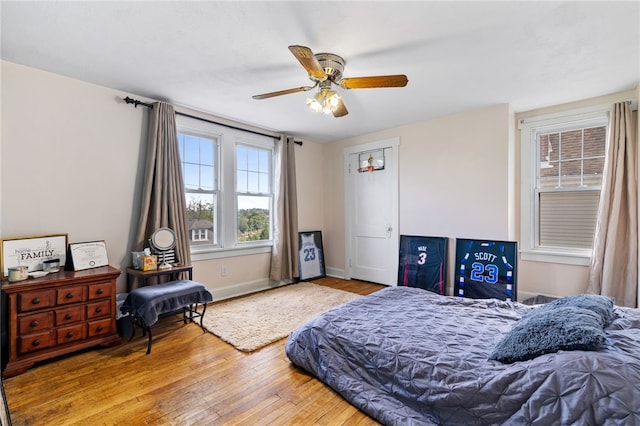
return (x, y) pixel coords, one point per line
(406, 356)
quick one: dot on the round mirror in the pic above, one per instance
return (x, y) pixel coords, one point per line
(163, 239)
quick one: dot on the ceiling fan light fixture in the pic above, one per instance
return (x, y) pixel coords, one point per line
(325, 101)
(325, 69)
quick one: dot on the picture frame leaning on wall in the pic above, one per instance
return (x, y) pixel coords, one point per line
(310, 255)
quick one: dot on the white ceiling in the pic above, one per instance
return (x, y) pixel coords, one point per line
(213, 56)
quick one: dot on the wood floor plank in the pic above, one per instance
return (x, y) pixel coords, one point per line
(190, 378)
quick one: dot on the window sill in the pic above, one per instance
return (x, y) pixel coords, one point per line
(219, 253)
(567, 257)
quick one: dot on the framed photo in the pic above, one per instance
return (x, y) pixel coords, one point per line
(310, 255)
(486, 269)
(92, 254)
(32, 251)
(423, 263)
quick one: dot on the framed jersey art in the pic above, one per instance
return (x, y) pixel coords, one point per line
(486, 269)
(423, 263)
(310, 255)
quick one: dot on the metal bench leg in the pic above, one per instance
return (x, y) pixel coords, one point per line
(149, 344)
(204, 309)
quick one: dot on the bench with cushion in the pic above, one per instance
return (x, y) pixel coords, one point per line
(145, 305)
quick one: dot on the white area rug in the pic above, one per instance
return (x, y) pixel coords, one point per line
(251, 322)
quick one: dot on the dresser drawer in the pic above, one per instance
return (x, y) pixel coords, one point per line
(99, 327)
(100, 290)
(67, 295)
(71, 333)
(32, 300)
(35, 342)
(32, 323)
(69, 315)
(99, 309)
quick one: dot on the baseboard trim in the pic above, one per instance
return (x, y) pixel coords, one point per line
(335, 273)
(242, 289)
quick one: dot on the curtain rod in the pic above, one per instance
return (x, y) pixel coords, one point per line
(136, 102)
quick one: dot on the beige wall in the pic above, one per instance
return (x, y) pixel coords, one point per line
(454, 178)
(309, 169)
(71, 161)
(459, 177)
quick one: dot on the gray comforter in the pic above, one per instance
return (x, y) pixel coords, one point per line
(407, 356)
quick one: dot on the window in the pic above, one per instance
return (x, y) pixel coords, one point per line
(228, 181)
(563, 159)
(199, 234)
(253, 193)
(198, 154)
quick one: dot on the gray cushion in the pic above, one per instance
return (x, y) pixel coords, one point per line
(151, 301)
(546, 331)
(601, 305)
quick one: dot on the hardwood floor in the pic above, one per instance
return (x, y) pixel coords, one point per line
(190, 378)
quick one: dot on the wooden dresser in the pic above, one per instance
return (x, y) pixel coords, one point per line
(59, 313)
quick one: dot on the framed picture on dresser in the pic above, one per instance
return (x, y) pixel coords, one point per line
(32, 251)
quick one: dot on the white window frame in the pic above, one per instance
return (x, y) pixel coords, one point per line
(217, 138)
(227, 202)
(267, 146)
(529, 127)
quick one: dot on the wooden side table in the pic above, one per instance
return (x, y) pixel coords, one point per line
(144, 276)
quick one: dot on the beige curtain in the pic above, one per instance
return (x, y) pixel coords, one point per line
(284, 255)
(163, 200)
(614, 266)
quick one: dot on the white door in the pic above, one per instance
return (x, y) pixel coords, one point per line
(371, 203)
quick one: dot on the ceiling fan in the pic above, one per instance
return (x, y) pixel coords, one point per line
(325, 69)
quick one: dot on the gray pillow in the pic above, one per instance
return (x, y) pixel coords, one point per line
(546, 331)
(601, 305)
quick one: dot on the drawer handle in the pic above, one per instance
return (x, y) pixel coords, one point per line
(98, 310)
(68, 317)
(35, 343)
(35, 301)
(69, 296)
(100, 291)
(34, 323)
(99, 328)
(69, 335)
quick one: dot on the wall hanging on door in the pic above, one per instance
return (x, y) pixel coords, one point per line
(310, 255)
(423, 263)
(486, 269)
(371, 161)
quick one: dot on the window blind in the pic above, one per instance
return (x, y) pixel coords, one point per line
(568, 218)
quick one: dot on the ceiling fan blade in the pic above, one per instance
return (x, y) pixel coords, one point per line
(341, 110)
(307, 59)
(282, 92)
(398, 80)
